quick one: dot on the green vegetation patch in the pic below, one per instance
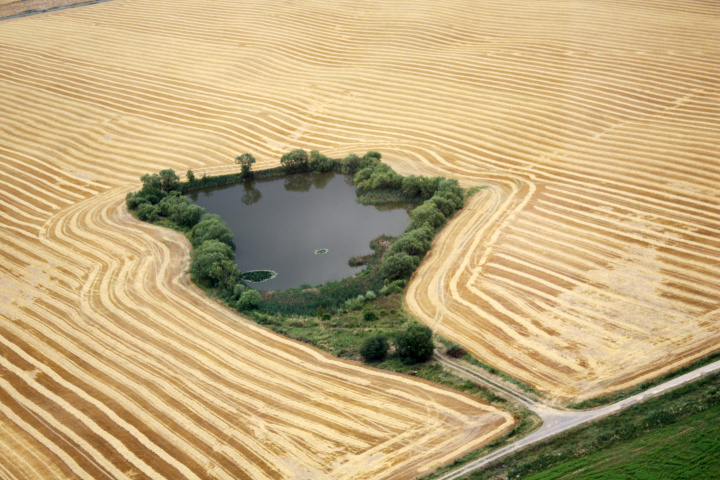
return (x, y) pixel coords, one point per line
(258, 276)
(688, 449)
(676, 435)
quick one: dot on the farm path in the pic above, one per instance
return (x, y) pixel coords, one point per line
(555, 421)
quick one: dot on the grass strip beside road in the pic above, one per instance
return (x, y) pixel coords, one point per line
(623, 445)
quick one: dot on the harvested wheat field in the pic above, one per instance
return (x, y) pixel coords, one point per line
(588, 264)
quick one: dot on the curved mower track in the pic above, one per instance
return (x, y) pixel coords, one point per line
(589, 264)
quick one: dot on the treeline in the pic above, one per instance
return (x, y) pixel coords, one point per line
(160, 200)
(212, 264)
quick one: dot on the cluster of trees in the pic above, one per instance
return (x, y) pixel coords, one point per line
(442, 198)
(161, 196)
(412, 345)
(213, 256)
(298, 160)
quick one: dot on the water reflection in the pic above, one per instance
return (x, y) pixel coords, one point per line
(279, 223)
(251, 194)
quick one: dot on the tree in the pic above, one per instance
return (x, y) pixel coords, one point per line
(211, 227)
(351, 163)
(169, 180)
(426, 213)
(415, 344)
(374, 348)
(246, 161)
(320, 163)
(213, 262)
(186, 214)
(413, 242)
(190, 176)
(166, 204)
(249, 300)
(148, 213)
(295, 160)
(379, 177)
(398, 266)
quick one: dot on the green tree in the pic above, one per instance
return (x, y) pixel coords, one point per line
(320, 163)
(169, 180)
(211, 227)
(190, 176)
(413, 242)
(415, 344)
(186, 214)
(375, 348)
(148, 213)
(246, 161)
(249, 300)
(166, 204)
(426, 213)
(351, 163)
(213, 262)
(295, 160)
(379, 177)
(398, 266)
(134, 200)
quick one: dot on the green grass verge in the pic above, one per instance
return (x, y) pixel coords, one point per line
(688, 449)
(663, 438)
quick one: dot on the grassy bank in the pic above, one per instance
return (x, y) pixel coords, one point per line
(674, 436)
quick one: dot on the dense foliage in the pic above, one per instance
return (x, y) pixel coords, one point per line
(415, 344)
(375, 348)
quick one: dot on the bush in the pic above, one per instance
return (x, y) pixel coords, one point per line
(399, 266)
(133, 200)
(186, 214)
(166, 204)
(379, 177)
(214, 263)
(395, 287)
(415, 344)
(249, 300)
(211, 227)
(147, 212)
(321, 163)
(426, 213)
(350, 164)
(295, 161)
(454, 350)
(374, 348)
(326, 316)
(414, 242)
(369, 316)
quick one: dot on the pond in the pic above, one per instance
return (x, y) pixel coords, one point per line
(304, 226)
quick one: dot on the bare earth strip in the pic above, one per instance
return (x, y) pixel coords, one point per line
(589, 264)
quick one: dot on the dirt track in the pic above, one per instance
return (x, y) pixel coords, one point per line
(590, 262)
(13, 7)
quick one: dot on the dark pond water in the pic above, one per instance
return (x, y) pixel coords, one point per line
(279, 223)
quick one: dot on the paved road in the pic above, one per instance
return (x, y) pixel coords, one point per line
(557, 421)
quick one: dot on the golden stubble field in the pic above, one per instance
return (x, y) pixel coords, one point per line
(588, 264)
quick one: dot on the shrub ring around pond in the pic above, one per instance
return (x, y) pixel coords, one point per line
(259, 276)
(321, 251)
